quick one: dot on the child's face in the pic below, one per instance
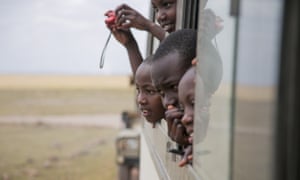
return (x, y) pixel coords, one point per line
(148, 97)
(186, 96)
(166, 74)
(165, 13)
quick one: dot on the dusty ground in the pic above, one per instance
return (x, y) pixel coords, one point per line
(107, 120)
(61, 127)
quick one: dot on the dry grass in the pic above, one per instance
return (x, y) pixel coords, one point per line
(65, 102)
(47, 95)
(40, 151)
(63, 82)
(49, 152)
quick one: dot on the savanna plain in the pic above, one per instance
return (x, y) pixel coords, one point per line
(61, 127)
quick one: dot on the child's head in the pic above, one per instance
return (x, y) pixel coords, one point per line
(165, 13)
(208, 80)
(148, 98)
(186, 96)
(171, 60)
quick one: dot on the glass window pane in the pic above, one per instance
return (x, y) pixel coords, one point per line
(258, 59)
(213, 119)
(255, 99)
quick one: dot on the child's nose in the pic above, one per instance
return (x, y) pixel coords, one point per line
(186, 119)
(141, 99)
(161, 15)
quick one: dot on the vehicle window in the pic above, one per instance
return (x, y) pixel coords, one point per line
(235, 138)
(212, 136)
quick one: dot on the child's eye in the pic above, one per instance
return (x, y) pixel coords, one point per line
(174, 87)
(137, 89)
(167, 5)
(151, 91)
(161, 92)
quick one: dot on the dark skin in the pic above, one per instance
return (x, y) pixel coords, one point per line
(186, 95)
(127, 17)
(148, 97)
(125, 37)
(166, 82)
(165, 13)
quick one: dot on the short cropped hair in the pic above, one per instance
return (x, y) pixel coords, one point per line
(148, 60)
(183, 42)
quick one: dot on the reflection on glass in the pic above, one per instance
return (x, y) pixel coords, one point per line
(215, 60)
(255, 100)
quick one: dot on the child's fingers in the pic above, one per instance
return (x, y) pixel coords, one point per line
(173, 113)
(126, 25)
(121, 7)
(169, 123)
(187, 157)
(170, 116)
(174, 128)
(170, 107)
(180, 136)
(194, 62)
(183, 162)
(190, 157)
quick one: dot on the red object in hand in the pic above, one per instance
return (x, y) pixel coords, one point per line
(111, 17)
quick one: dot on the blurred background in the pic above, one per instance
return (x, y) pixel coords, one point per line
(60, 113)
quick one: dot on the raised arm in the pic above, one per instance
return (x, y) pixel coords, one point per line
(125, 37)
(127, 17)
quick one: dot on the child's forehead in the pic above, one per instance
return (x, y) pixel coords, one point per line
(157, 1)
(142, 77)
(143, 69)
(188, 77)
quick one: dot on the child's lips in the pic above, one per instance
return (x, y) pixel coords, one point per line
(145, 112)
(170, 107)
(168, 27)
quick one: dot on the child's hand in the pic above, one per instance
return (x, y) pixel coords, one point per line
(176, 130)
(125, 37)
(187, 157)
(128, 17)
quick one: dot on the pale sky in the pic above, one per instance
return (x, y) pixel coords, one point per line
(61, 37)
(67, 37)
